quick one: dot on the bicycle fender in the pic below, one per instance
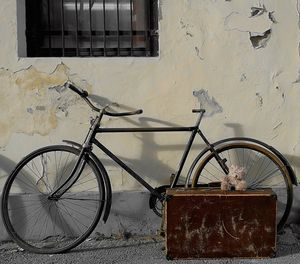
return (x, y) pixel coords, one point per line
(107, 185)
(105, 178)
(272, 149)
(73, 144)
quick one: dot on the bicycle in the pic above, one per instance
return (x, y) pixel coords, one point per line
(56, 195)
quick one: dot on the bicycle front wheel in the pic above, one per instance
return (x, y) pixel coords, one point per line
(44, 225)
(263, 170)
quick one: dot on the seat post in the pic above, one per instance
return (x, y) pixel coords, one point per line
(201, 114)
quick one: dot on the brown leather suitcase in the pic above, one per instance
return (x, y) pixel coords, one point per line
(210, 223)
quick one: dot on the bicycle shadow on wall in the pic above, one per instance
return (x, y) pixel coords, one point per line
(6, 167)
(28, 182)
(149, 161)
(236, 128)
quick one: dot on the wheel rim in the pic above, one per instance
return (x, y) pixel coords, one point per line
(263, 170)
(43, 225)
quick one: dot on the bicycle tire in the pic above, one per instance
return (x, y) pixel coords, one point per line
(257, 161)
(41, 225)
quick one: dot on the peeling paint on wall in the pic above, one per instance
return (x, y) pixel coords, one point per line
(259, 100)
(33, 101)
(277, 129)
(198, 53)
(243, 77)
(272, 17)
(188, 28)
(194, 34)
(281, 93)
(258, 25)
(258, 10)
(259, 40)
(298, 11)
(208, 103)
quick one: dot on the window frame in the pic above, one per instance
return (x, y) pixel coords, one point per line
(36, 36)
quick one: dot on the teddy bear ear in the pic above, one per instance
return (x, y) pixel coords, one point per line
(231, 167)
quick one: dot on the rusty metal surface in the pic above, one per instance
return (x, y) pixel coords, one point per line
(219, 224)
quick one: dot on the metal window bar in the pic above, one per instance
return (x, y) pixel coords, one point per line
(118, 27)
(63, 27)
(131, 28)
(104, 29)
(77, 28)
(153, 29)
(91, 29)
(148, 27)
(49, 27)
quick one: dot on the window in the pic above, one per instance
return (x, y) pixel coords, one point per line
(69, 28)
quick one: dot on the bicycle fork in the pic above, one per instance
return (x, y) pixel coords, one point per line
(74, 175)
(80, 163)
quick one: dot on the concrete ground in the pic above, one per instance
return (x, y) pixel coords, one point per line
(141, 250)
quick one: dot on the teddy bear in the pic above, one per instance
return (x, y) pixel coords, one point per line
(235, 178)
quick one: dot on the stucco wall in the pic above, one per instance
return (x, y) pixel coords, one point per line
(239, 59)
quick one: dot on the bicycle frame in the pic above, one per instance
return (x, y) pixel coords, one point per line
(193, 129)
(96, 129)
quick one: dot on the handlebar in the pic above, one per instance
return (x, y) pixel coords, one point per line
(137, 112)
(78, 90)
(84, 94)
(198, 111)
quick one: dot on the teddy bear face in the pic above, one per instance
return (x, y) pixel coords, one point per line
(236, 172)
(234, 179)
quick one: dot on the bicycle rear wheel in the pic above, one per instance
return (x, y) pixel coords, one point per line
(263, 170)
(44, 225)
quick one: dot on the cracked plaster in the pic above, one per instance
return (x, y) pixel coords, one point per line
(33, 101)
(208, 103)
(258, 24)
